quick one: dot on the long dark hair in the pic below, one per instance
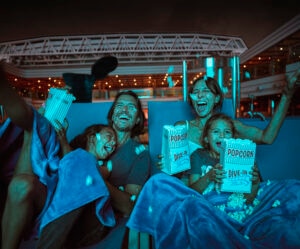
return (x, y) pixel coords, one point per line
(81, 140)
(213, 85)
(209, 123)
(138, 129)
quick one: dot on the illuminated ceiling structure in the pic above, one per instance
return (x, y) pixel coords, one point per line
(144, 59)
(136, 53)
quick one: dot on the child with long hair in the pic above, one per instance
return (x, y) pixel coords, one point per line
(206, 172)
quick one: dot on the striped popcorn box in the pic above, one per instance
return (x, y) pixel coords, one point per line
(237, 158)
(57, 105)
(175, 149)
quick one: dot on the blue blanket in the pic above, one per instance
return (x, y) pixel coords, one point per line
(179, 217)
(79, 183)
(71, 182)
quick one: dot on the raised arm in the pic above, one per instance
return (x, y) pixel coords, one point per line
(269, 134)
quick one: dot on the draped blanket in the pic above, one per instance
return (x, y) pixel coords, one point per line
(79, 183)
(179, 217)
(71, 182)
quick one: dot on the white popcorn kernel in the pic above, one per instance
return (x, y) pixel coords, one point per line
(133, 198)
(276, 203)
(109, 165)
(88, 180)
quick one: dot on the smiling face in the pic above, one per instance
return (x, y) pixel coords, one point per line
(218, 130)
(104, 143)
(125, 112)
(203, 99)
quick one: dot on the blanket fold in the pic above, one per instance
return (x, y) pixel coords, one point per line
(71, 182)
(179, 217)
(79, 183)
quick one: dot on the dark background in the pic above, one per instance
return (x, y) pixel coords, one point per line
(252, 20)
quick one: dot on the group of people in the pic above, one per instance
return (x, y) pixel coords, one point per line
(91, 189)
(200, 215)
(69, 192)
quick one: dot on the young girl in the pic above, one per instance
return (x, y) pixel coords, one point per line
(206, 173)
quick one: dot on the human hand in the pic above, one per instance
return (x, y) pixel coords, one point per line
(61, 131)
(255, 175)
(293, 79)
(217, 173)
(104, 171)
(160, 164)
(255, 185)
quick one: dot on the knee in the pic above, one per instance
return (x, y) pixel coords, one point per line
(21, 188)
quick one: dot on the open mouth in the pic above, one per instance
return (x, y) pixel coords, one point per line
(124, 117)
(202, 105)
(109, 148)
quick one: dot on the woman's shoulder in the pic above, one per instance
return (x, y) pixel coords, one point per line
(181, 122)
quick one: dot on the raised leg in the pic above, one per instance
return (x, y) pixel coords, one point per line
(25, 200)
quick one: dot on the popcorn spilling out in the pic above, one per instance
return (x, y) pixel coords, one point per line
(276, 203)
(88, 180)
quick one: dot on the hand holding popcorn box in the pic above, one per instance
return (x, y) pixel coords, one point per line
(175, 149)
(237, 158)
(57, 105)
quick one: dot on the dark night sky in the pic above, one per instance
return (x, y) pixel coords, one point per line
(252, 20)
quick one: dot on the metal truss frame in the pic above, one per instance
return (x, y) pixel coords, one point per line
(136, 53)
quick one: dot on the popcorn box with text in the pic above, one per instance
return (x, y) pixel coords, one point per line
(57, 105)
(237, 158)
(175, 149)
